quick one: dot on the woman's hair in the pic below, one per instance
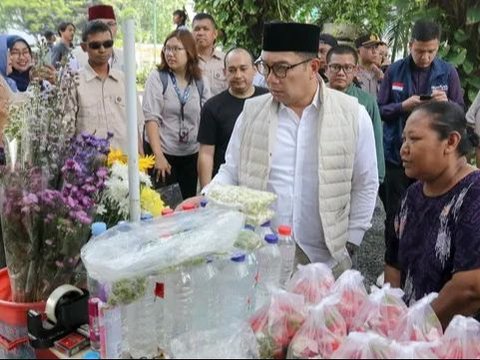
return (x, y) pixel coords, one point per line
(188, 42)
(448, 117)
(182, 14)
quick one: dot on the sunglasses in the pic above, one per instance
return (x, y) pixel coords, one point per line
(95, 45)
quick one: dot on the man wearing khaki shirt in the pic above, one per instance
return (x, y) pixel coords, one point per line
(101, 91)
(211, 60)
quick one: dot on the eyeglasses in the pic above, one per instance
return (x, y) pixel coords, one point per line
(347, 69)
(15, 53)
(280, 70)
(172, 50)
(95, 45)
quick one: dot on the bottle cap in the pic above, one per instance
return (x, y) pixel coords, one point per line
(203, 203)
(167, 211)
(188, 206)
(91, 355)
(239, 257)
(98, 228)
(285, 230)
(266, 224)
(249, 227)
(271, 238)
(146, 216)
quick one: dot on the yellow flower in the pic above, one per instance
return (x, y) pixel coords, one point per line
(116, 155)
(146, 162)
(151, 201)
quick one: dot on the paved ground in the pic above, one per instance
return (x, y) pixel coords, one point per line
(371, 254)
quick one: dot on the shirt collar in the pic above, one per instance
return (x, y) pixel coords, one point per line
(217, 55)
(90, 74)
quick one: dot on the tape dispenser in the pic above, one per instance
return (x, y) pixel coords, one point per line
(65, 311)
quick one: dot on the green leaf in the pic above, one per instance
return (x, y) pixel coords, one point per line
(458, 58)
(460, 36)
(472, 94)
(467, 67)
(473, 15)
(474, 81)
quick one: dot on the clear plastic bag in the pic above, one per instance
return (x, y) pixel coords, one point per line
(234, 341)
(382, 312)
(253, 203)
(461, 340)
(134, 250)
(313, 281)
(419, 323)
(364, 346)
(276, 323)
(353, 295)
(322, 333)
(413, 350)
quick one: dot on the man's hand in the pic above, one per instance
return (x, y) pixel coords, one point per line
(378, 72)
(411, 103)
(439, 95)
(162, 168)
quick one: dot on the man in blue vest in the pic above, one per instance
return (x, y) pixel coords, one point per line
(408, 83)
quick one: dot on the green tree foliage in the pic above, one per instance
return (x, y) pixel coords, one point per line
(461, 23)
(242, 20)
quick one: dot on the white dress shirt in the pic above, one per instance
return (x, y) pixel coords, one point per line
(294, 178)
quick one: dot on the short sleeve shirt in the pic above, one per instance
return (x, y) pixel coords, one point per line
(213, 72)
(436, 237)
(217, 121)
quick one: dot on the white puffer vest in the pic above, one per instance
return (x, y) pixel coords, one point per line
(337, 139)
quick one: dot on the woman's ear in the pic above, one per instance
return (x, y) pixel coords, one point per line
(453, 141)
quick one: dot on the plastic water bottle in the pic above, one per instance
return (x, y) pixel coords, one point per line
(264, 230)
(287, 247)
(252, 265)
(141, 325)
(207, 297)
(269, 267)
(178, 302)
(236, 285)
(94, 287)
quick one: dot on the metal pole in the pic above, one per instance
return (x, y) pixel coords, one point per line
(154, 32)
(131, 94)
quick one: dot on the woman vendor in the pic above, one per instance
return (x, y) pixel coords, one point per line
(437, 228)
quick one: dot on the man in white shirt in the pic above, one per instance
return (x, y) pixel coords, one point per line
(312, 146)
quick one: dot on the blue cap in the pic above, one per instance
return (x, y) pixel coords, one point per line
(91, 355)
(98, 228)
(203, 203)
(146, 216)
(271, 238)
(239, 257)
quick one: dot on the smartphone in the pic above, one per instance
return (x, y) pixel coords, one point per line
(425, 97)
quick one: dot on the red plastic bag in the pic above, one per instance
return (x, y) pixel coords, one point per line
(276, 323)
(420, 323)
(322, 333)
(382, 312)
(313, 281)
(353, 295)
(461, 340)
(364, 346)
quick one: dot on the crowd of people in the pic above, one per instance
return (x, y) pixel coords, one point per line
(324, 125)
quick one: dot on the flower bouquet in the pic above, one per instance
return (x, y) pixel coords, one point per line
(114, 203)
(48, 190)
